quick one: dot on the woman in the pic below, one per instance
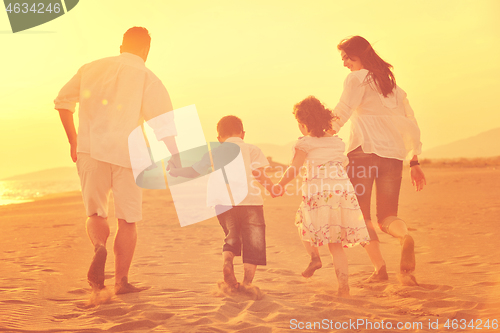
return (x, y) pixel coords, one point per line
(384, 132)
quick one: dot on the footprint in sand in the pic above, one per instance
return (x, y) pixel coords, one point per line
(487, 284)
(286, 272)
(110, 312)
(437, 262)
(79, 291)
(62, 225)
(264, 306)
(437, 287)
(294, 282)
(466, 256)
(134, 326)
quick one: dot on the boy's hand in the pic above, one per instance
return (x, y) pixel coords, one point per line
(172, 170)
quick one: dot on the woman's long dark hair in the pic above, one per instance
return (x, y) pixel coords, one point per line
(379, 71)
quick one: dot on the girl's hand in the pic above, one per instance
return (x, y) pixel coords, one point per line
(277, 191)
(417, 177)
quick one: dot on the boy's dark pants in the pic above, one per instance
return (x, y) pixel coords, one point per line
(245, 228)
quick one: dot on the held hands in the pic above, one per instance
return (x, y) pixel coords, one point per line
(417, 177)
(172, 170)
(174, 165)
(277, 191)
(174, 162)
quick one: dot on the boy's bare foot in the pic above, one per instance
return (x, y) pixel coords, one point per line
(379, 276)
(407, 279)
(229, 277)
(407, 264)
(251, 290)
(95, 275)
(123, 287)
(313, 266)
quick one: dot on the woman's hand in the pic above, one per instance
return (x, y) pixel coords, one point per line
(417, 177)
(277, 191)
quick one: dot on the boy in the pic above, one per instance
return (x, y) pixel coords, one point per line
(243, 223)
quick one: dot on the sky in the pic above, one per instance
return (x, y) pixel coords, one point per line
(255, 59)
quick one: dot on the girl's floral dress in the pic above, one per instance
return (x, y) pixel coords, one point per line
(329, 211)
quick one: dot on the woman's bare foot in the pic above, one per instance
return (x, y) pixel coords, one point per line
(95, 274)
(123, 287)
(313, 266)
(407, 264)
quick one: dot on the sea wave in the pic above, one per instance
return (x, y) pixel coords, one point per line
(18, 191)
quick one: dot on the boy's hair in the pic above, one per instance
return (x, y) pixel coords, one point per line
(229, 126)
(314, 115)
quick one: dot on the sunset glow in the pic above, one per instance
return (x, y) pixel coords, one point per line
(255, 60)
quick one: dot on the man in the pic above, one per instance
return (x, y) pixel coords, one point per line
(115, 95)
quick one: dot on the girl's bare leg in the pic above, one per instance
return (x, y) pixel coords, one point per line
(341, 267)
(315, 259)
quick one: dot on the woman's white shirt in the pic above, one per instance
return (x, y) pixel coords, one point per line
(385, 126)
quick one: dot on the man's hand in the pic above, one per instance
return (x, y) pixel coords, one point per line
(187, 172)
(73, 152)
(69, 126)
(173, 171)
(417, 177)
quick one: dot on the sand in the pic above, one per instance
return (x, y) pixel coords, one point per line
(45, 253)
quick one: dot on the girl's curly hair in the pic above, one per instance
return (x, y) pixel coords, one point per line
(314, 115)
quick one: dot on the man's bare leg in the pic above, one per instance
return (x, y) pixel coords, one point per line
(124, 247)
(98, 232)
(228, 269)
(315, 262)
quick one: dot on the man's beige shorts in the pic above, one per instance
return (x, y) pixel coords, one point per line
(98, 179)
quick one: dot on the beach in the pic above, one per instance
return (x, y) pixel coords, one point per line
(45, 254)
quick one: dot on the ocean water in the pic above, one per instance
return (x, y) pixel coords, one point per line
(18, 191)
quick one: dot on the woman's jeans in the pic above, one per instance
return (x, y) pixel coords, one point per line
(363, 170)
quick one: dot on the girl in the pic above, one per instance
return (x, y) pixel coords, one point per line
(329, 212)
(384, 132)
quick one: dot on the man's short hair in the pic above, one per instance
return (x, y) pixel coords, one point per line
(229, 125)
(136, 38)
